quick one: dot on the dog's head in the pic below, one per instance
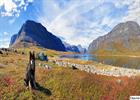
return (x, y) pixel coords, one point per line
(32, 56)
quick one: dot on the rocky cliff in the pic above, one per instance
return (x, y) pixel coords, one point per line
(33, 33)
(124, 37)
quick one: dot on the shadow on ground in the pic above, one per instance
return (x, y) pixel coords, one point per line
(43, 90)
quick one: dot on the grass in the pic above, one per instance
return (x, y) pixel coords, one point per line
(61, 83)
(48, 52)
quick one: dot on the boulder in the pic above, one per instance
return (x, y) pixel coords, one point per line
(41, 56)
(1, 52)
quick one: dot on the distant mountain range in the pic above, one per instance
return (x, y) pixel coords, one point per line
(124, 38)
(35, 34)
(74, 48)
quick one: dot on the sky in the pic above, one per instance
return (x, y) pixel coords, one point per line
(74, 21)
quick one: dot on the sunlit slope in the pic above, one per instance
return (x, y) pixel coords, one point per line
(123, 39)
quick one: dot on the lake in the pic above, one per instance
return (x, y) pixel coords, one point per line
(119, 61)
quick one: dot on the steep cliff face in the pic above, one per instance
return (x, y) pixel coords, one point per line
(13, 38)
(33, 33)
(125, 37)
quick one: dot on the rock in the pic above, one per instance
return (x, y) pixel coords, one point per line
(1, 52)
(123, 37)
(15, 51)
(35, 34)
(73, 67)
(41, 56)
(22, 53)
(114, 71)
(119, 81)
(48, 67)
(13, 39)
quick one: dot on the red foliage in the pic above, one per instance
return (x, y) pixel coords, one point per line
(7, 80)
(105, 98)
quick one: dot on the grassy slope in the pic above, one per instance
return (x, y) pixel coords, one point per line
(61, 83)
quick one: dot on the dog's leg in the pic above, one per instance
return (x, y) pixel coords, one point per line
(26, 83)
(26, 80)
(34, 84)
(30, 86)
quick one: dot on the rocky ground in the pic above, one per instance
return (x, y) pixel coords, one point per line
(91, 68)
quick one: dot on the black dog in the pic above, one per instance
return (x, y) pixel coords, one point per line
(30, 72)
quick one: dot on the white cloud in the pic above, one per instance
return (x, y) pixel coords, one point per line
(62, 24)
(133, 12)
(12, 20)
(9, 5)
(5, 33)
(4, 44)
(4, 41)
(13, 7)
(22, 3)
(79, 22)
(30, 1)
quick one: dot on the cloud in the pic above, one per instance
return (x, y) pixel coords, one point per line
(13, 7)
(80, 22)
(77, 21)
(4, 44)
(4, 41)
(63, 23)
(133, 12)
(5, 33)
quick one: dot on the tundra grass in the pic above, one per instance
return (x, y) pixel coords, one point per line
(61, 83)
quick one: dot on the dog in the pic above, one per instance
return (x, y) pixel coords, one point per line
(29, 80)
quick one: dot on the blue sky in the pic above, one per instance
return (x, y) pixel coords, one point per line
(76, 21)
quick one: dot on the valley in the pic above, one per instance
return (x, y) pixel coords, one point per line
(69, 49)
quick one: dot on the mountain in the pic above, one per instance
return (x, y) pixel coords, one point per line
(74, 48)
(33, 33)
(81, 49)
(124, 38)
(13, 39)
(71, 48)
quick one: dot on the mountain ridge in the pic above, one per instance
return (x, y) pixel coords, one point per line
(33, 33)
(124, 37)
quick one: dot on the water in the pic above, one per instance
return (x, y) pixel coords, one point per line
(119, 61)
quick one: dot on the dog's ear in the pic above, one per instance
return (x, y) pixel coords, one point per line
(33, 54)
(30, 54)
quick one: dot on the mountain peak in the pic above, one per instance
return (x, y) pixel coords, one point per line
(31, 22)
(33, 33)
(124, 36)
(129, 24)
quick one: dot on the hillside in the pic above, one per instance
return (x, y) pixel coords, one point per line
(60, 82)
(35, 34)
(123, 39)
